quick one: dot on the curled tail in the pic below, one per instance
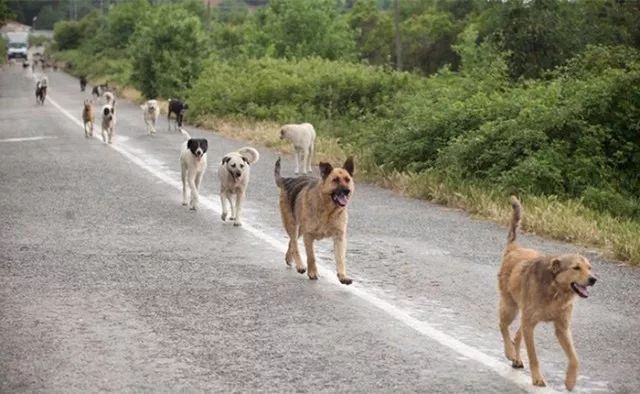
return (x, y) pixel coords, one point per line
(276, 173)
(250, 154)
(516, 217)
(185, 133)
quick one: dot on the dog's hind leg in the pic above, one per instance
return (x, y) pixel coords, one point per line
(564, 337)
(508, 312)
(340, 250)
(312, 270)
(309, 158)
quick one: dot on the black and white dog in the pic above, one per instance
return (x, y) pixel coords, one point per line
(83, 83)
(41, 90)
(179, 108)
(193, 163)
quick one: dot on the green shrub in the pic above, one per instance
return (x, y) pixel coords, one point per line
(68, 34)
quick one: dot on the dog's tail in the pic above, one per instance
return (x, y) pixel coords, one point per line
(185, 133)
(516, 218)
(250, 154)
(276, 173)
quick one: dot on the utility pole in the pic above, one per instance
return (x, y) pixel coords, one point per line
(396, 26)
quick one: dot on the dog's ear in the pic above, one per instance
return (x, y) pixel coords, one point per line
(348, 165)
(225, 159)
(556, 265)
(325, 169)
(192, 145)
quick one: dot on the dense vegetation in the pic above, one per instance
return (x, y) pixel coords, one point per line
(536, 97)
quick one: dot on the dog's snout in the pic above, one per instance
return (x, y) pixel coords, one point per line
(592, 280)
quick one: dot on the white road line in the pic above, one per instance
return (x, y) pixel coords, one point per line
(501, 367)
(44, 137)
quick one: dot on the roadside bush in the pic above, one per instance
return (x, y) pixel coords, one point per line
(3, 50)
(290, 91)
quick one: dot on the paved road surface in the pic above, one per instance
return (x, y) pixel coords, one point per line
(108, 284)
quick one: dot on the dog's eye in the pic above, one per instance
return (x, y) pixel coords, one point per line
(577, 268)
(233, 165)
(346, 179)
(336, 180)
(241, 165)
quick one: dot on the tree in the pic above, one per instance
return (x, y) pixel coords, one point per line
(122, 20)
(166, 50)
(299, 28)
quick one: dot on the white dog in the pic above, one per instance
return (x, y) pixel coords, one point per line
(193, 162)
(109, 98)
(150, 110)
(234, 172)
(108, 122)
(303, 137)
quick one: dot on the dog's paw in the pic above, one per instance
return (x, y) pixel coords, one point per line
(184, 203)
(223, 216)
(313, 275)
(301, 270)
(344, 279)
(570, 381)
(193, 208)
(538, 382)
(517, 364)
(237, 223)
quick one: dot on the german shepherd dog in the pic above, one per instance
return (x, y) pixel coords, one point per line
(542, 288)
(316, 209)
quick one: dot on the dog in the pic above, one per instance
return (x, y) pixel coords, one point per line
(150, 112)
(303, 137)
(179, 108)
(109, 98)
(193, 162)
(83, 83)
(99, 90)
(108, 122)
(233, 173)
(41, 90)
(542, 288)
(316, 209)
(88, 118)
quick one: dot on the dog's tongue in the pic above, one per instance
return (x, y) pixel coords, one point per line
(582, 291)
(342, 199)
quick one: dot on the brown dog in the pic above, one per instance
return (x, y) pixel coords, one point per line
(88, 118)
(316, 209)
(542, 288)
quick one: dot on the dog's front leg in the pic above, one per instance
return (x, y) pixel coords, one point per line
(297, 155)
(223, 203)
(238, 207)
(312, 269)
(563, 334)
(184, 186)
(527, 328)
(340, 250)
(194, 192)
(104, 134)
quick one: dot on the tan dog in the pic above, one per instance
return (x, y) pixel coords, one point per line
(234, 172)
(88, 118)
(316, 209)
(542, 288)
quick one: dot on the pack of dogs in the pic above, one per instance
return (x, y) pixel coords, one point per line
(538, 287)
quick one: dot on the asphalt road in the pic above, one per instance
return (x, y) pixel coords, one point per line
(107, 283)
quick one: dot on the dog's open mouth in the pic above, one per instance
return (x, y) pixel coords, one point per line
(340, 197)
(580, 290)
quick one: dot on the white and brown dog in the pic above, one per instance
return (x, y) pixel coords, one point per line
(193, 163)
(150, 111)
(88, 118)
(234, 172)
(108, 122)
